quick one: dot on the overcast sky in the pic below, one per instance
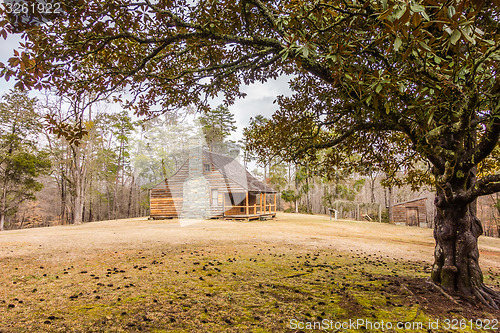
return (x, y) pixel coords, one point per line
(6, 51)
(259, 98)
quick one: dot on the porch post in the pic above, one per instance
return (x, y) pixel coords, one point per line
(265, 209)
(274, 203)
(247, 203)
(260, 200)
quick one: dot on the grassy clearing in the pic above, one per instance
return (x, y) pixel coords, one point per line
(210, 281)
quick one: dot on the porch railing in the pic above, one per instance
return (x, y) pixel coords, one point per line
(253, 209)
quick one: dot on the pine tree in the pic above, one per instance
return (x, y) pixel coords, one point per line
(21, 162)
(217, 125)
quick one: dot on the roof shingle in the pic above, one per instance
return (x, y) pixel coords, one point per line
(232, 169)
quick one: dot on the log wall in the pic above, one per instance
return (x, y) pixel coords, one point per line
(166, 197)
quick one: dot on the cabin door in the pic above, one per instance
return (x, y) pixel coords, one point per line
(412, 216)
(215, 198)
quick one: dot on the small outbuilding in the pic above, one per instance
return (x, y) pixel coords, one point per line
(411, 213)
(210, 185)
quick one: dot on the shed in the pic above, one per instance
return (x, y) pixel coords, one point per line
(411, 213)
(210, 185)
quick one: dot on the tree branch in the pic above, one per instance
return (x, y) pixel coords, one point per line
(267, 14)
(485, 147)
(354, 129)
(484, 186)
(485, 56)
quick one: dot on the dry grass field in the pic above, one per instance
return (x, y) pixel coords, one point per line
(138, 275)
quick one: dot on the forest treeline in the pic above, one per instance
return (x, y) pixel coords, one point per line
(49, 178)
(71, 161)
(105, 173)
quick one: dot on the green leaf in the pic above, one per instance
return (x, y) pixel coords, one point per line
(469, 38)
(378, 88)
(285, 54)
(425, 46)
(417, 8)
(431, 116)
(402, 87)
(397, 43)
(451, 11)
(332, 57)
(399, 13)
(455, 36)
(304, 50)
(479, 31)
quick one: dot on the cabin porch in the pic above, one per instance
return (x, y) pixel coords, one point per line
(249, 206)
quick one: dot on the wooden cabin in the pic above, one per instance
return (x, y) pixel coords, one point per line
(209, 185)
(411, 213)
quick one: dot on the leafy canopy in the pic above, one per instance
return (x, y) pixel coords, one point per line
(380, 83)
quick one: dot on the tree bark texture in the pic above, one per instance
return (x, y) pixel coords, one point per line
(79, 177)
(456, 267)
(78, 203)
(3, 206)
(130, 194)
(390, 204)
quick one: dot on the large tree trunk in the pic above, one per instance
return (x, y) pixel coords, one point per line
(78, 205)
(130, 194)
(456, 267)
(79, 174)
(390, 204)
(117, 182)
(108, 195)
(62, 189)
(91, 213)
(372, 189)
(3, 206)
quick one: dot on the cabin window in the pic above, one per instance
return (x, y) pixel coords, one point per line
(206, 167)
(215, 197)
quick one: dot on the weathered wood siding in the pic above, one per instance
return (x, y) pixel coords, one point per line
(400, 211)
(166, 198)
(223, 185)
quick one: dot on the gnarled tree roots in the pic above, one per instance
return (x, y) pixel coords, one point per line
(487, 296)
(456, 266)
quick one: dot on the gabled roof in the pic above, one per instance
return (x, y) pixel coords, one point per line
(412, 200)
(232, 169)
